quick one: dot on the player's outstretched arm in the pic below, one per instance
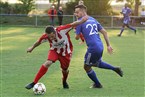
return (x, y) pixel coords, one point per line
(109, 48)
(30, 49)
(76, 23)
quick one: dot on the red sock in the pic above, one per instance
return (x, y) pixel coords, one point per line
(65, 75)
(40, 73)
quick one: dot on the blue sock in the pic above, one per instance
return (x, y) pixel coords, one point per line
(105, 66)
(122, 29)
(93, 77)
(132, 28)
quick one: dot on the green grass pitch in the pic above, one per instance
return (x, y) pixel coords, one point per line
(18, 68)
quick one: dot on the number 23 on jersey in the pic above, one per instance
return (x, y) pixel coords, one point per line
(93, 29)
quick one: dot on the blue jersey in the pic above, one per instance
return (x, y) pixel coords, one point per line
(90, 30)
(126, 11)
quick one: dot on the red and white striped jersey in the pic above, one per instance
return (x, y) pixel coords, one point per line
(62, 45)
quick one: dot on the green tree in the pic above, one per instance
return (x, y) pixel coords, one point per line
(94, 7)
(58, 3)
(70, 7)
(99, 7)
(26, 6)
(54, 1)
(5, 8)
(136, 6)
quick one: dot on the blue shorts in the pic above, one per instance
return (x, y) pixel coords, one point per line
(126, 20)
(92, 58)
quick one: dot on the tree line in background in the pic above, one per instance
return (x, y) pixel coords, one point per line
(99, 7)
(23, 7)
(103, 7)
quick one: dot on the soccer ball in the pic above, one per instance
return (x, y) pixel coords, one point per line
(39, 89)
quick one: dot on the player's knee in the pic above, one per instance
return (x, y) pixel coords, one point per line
(65, 70)
(123, 26)
(87, 68)
(48, 63)
(128, 26)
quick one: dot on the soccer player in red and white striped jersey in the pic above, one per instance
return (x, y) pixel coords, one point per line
(60, 49)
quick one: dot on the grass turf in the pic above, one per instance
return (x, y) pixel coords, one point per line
(19, 68)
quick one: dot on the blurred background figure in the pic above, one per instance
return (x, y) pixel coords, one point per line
(126, 12)
(51, 14)
(60, 15)
(81, 2)
(142, 12)
(142, 19)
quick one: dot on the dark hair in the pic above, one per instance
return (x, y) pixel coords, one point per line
(81, 7)
(49, 29)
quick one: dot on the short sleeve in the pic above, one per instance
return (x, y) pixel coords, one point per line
(99, 26)
(64, 28)
(78, 29)
(43, 38)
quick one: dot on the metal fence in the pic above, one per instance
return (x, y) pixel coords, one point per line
(43, 20)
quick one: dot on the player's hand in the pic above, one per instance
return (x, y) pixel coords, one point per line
(110, 50)
(77, 37)
(29, 50)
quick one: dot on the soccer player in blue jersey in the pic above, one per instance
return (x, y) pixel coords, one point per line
(93, 57)
(126, 11)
